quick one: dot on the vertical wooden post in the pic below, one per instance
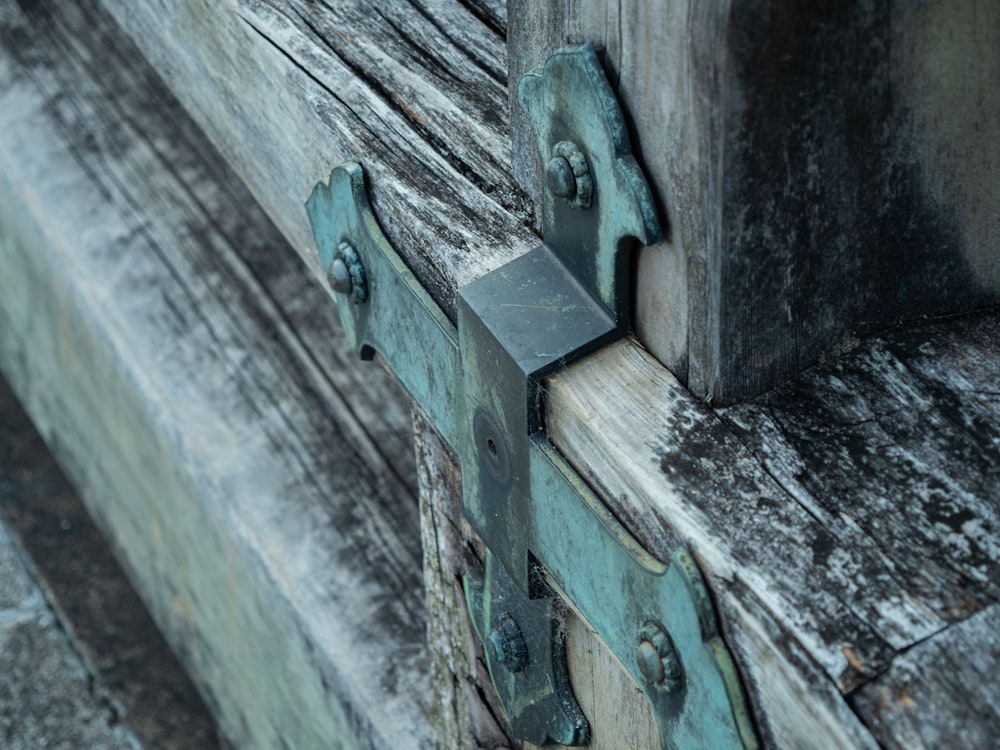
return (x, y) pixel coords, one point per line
(464, 706)
(826, 170)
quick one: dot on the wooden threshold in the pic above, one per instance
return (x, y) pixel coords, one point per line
(846, 523)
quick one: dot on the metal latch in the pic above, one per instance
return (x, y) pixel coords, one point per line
(480, 383)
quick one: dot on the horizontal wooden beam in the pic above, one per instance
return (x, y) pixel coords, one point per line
(414, 91)
(842, 521)
(802, 210)
(672, 464)
(185, 371)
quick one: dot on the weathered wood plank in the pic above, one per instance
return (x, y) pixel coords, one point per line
(950, 678)
(679, 468)
(842, 519)
(465, 709)
(811, 603)
(237, 469)
(833, 181)
(128, 664)
(415, 91)
(898, 441)
(382, 119)
(357, 34)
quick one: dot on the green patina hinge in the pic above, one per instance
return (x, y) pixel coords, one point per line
(480, 383)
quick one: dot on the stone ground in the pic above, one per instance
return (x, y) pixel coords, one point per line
(82, 666)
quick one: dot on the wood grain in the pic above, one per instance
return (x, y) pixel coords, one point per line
(465, 709)
(620, 716)
(465, 706)
(317, 39)
(841, 520)
(951, 677)
(836, 180)
(241, 474)
(817, 597)
(897, 442)
(679, 468)
(417, 92)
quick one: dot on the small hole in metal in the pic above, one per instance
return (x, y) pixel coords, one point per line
(491, 444)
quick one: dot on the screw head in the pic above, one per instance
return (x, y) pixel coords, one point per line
(560, 178)
(507, 642)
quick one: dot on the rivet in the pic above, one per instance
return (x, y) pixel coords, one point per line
(560, 178)
(508, 644)
(346, 274)
(340, 277)
(650, 663)
(657, 658)
(568, 175)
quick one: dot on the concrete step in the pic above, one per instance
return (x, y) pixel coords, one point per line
(82, 665)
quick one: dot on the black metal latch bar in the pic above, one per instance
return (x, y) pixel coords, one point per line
(480, 384)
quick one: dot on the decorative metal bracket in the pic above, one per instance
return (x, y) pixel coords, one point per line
(481, 386)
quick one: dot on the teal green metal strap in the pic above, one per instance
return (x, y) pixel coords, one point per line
(398, 319)
(480, 384)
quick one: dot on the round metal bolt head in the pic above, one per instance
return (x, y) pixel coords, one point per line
(560, 178)
(508, 644)
(650, 662)
(339, 276)
(568, 175)
(347, 275)
(657, 658)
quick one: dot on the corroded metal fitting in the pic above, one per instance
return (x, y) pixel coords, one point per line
(508, 644)
(657, 658)
(568, 175)
(347, 274)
